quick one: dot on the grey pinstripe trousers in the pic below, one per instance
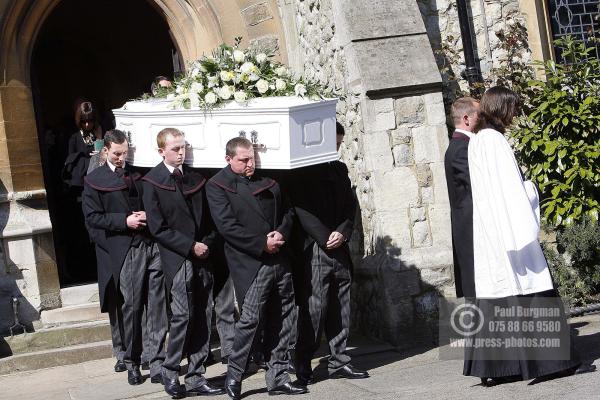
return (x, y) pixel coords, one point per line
(191, 312)
(324, 305)
(141, 283)
(270, 299)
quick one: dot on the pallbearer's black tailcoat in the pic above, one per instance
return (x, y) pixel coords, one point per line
(461, 213)
(244, 224)
(107, 201)
(176, 220)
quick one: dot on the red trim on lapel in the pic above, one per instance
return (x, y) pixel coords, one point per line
(195, 188)
(461, 136)
(171, 188)
(262, 189)
(104, 189)
(223, 186)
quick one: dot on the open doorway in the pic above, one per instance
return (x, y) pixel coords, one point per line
(105, 51)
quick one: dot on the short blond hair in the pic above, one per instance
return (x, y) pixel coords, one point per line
(463, 106)
(161, 138)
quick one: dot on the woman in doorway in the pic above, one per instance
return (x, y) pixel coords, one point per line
(510, 269)
(80, 151)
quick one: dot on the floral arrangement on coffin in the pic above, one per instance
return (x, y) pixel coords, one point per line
(239, 75)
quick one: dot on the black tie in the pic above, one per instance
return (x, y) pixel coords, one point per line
(119, 171)
(178, 177)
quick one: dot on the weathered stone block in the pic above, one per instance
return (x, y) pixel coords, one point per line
(417, 214)
(437, 277)
(427, 195)
(267, 43)
(377, 151)
(401, 135)
(393, 63)
(403, 155)
(400, 285)
(426, 145)
(401, 189)
(439, 219)
(439, 182)
(421, 236)
(424, 175)
(410, 110)
(377, 18)
(256, 13)
(434, 108)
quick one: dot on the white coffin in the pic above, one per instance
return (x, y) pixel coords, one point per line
(288, 132)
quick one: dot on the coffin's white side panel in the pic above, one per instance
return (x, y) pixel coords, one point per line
(288, 132)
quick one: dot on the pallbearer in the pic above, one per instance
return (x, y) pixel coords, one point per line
(325, 206)
(251, 215)
(179, 220)
(127, 256)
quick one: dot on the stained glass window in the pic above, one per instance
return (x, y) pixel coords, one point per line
(578, 18)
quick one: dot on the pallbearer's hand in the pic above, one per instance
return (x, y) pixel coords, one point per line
(136, 220)
(201, 250)
(335, 240)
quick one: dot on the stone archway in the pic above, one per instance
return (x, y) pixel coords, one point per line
(196, 27)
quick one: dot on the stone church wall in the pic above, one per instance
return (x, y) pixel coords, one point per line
(377, 55)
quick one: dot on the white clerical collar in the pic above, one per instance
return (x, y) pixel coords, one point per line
(469, 134)
(112, 166)
(171, 169)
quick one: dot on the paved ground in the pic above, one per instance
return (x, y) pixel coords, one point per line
(394, 375)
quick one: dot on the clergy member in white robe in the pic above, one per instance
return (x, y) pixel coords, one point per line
(509, 265)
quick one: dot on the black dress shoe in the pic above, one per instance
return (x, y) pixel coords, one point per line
(205, 390)
(291, 369)
(120, 366)
(156, 379)
(349, 372)
(173, 387)
(304, 380)
(288, 388)
(134, 376)
(584, 369)
(145, 366)
(233, 388)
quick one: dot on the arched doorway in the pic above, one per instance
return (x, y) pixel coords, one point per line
(107, 51)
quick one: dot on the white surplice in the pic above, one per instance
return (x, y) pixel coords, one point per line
(508, 259)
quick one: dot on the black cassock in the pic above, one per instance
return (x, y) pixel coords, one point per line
(456, 163)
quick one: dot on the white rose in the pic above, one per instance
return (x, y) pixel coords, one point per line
(262, 86)
(226, 76)
(225, 92)
(300, 89)
(240, 96)
(212, 81)
(210, 98)
(239, 56)
(280, 84)
(261, 58)
(194, 100)
(196, 87)
(281, 71)
(247, 68)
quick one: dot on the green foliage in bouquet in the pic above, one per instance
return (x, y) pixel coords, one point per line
(231, 73)
(558, 138)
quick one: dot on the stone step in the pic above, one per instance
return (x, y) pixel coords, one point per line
(56, 337)
(71, 314)
(56, 357)
(81, 294)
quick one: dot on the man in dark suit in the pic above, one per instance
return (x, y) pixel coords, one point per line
(325, 206)
(179, 220)
(465, 116)
(255, 222)
(128, 258)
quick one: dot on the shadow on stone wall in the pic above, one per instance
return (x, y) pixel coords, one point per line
(390, 301)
